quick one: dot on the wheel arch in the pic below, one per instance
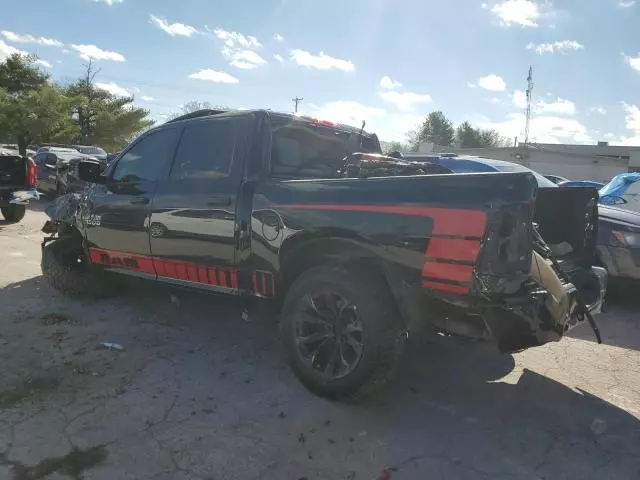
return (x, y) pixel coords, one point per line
(336, 247)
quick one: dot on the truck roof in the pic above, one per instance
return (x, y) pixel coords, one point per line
(289, 116)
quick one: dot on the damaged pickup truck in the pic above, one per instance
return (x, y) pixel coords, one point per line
(18, 181)
(359, 249)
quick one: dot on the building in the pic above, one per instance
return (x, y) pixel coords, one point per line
(599, 163)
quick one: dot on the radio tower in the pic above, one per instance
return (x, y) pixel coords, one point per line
(528, 114)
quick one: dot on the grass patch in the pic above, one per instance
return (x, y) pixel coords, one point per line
(32, 387)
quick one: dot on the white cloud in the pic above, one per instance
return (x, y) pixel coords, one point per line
(563, 46)
(519, 12)
(173, 29)
(245, 59)
(634, 62)
(44, 63)
(494, 100)
(213, 76)
(626, 3)
(558, 107)
(237, 40)
(88, 52)
(66, 50)
(492, 82)
(278, 58)
(240, 50)
(278, 38)
(109, 2)
(16, 38)
(114, 89)
(520, 99)
(321, 61)
(598, 109)
(7, 50)
(544, 129)
(404, 100)
(388, 126)
(387, 82)
(147, 99)
(471, 85)
(632, 119)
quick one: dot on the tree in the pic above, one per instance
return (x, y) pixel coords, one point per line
(42, 115)
(469, 137)
(19, 74)
(436, 129)
(103, 118)
(195, 105)
(389, 147)
(30, 108)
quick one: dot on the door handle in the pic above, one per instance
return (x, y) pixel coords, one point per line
(219, 202)
(139, 201)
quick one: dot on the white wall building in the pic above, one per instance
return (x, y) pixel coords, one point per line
(598, 163)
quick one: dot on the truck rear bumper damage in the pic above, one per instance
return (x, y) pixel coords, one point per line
(541, 312)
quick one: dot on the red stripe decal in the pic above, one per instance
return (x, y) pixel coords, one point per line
(192, 272)
(273, 286)
(223, 277)
(446, 221)
(170, 269)
(255, 281)
(445, 287)
(234, 278)
(453, 249)
(213, 278)
(202, 274)
(121, 260)
(448, 271)
(181, 271)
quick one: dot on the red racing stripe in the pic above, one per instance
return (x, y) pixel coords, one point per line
(446, 221)
(453, 249)
(447, 271)
(445, 287)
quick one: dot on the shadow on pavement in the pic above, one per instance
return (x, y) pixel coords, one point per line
(447, 415)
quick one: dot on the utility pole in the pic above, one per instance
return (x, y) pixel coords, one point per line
(296, 101)
(528, 114)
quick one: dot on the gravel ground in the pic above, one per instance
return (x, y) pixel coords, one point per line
(200, 393)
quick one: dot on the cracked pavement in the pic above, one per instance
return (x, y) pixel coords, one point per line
(200, 393)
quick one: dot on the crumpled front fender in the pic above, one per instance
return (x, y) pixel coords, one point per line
(64, 208)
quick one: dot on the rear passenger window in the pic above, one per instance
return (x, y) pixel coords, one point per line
(206, 150)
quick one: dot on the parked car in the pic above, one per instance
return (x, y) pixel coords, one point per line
(275, 206)
(18, 180)
(556, 179)
(581, 183)
(619, 227)
(57, 171)
(93, 151)
(14, 147)
(57, 148)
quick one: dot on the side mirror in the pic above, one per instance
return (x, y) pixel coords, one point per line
(90, 171)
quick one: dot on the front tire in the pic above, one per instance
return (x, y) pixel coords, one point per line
(14, 213)
(63, 271)
(341, 331)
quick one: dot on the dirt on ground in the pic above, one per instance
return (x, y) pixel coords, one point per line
(196, 391)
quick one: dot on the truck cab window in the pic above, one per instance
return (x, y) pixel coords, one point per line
(206, 150)
(147, 159)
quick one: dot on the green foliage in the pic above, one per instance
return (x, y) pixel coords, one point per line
(34, 110)
(389, 147)
(436, 129)
(19, 74)
(469, 137)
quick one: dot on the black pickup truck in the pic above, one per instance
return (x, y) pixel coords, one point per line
(359, 249)
(18, 181)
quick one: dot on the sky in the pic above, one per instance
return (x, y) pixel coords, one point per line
(387, 62)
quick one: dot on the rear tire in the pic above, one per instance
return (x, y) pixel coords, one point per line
(14, 213)
(369, 299)
(64, 273)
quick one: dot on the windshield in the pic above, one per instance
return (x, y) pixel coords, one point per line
(91, 150)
